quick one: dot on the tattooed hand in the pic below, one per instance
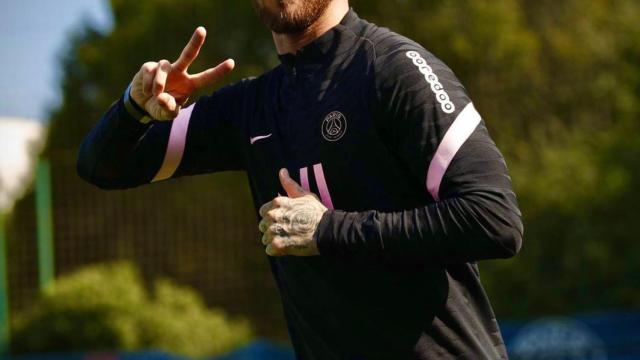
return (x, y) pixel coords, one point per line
(288, 222)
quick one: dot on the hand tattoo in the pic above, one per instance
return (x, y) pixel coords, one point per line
(290, 224)
(305, 217)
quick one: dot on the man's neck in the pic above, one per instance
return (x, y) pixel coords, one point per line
(290, 43)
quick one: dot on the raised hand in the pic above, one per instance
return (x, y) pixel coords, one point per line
(289, 222)
(162, 88)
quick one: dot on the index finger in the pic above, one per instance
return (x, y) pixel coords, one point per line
(278, 201)
(192, 49)
(264, 208)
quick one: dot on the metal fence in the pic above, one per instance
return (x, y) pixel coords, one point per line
(198, 231)
(201, 231)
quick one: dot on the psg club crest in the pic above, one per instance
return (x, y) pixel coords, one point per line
(334, 126)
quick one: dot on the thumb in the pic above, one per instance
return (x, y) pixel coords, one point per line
(289, 185)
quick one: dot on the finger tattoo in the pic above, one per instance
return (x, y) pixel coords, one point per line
(278, 229)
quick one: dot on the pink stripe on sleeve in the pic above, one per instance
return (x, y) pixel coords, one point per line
(175, 147)
(304, 178)
(462, 127)
(325, 197)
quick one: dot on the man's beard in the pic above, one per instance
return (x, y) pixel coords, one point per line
(289, 16)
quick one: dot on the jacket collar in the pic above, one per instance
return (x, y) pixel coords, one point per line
(326, 44)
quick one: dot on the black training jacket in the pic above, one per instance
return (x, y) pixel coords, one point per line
(386, 136)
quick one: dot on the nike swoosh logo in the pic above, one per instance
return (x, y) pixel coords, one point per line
(256, 138)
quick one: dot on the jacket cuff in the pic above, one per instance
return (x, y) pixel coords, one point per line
(322, 235)
(135, 110)
(126, 120)
(342, 233)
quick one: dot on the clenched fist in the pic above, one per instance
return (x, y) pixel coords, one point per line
(161, 88)
(289, 222)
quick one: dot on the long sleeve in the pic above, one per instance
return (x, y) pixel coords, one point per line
(434, 130)
(122, 152)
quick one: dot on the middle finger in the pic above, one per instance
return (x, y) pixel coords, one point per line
(267, 238)
(264, 224)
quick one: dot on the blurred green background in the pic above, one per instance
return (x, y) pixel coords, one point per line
(558, 83)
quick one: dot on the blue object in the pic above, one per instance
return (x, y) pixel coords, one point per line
(606, 336)
(261, 349)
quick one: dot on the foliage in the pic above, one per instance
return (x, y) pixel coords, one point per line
(558, 83)
(106, 307)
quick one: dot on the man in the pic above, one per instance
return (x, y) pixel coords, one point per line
(411, 190)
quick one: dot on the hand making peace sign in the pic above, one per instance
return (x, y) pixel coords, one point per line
(162, 88)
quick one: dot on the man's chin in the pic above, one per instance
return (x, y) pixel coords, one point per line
(288, 29)
(283, 25)
(292, 21)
